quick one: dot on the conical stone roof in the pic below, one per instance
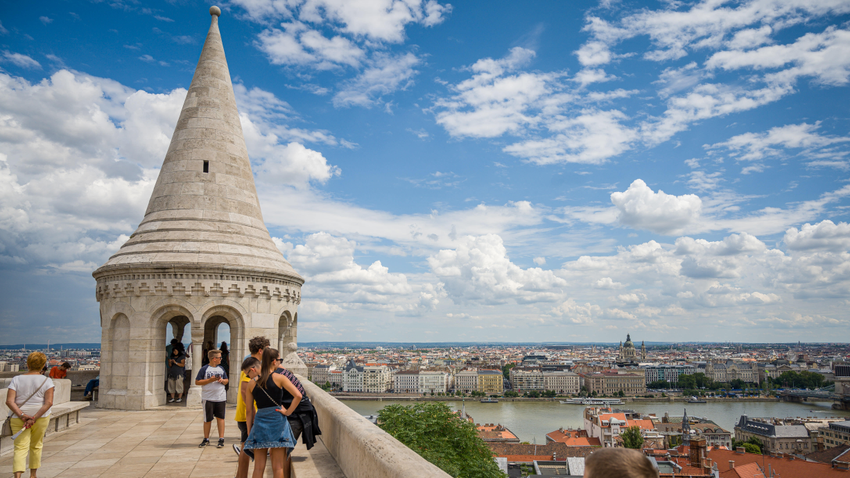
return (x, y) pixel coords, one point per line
(204, 212)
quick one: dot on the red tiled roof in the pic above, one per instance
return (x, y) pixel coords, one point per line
(750, 470)
(784, 467)
(495, 432)
(573, 438)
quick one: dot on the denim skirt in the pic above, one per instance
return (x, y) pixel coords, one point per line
(270, 430)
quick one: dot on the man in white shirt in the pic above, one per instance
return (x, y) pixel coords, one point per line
(213, 378)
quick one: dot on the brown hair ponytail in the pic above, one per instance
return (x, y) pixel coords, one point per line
(269, 356)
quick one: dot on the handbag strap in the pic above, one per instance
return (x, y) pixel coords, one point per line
(267, 394)
(31, 395)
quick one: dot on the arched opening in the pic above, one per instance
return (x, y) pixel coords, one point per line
(179, 328)
(283, 326)
(217, 337)
(169, 322)
(224, 324)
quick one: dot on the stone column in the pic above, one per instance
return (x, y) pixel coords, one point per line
(193, 396)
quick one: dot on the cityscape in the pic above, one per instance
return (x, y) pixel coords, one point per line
(589, 395)
(395, 238)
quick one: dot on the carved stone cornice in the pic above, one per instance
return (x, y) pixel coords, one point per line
(175, 281)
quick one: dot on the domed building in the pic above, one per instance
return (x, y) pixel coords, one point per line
(628, 353)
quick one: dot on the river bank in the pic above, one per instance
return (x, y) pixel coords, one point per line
(407, 398)
(531, 419)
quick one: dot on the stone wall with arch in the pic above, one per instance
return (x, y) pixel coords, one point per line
(250, 305)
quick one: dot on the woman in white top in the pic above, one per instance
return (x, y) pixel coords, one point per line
(29, 398)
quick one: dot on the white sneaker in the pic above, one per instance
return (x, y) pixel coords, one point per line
(170, 400)
(179, 400)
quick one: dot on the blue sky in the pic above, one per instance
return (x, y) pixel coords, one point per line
(481, 171)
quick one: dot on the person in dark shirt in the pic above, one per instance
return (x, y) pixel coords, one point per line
(176, 369)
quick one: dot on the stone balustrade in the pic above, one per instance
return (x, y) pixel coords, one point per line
(361, 449)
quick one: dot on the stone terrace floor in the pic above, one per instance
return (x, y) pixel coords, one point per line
(158, 443)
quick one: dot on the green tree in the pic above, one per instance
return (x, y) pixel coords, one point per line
(506, 370)
(326, 387)
(631, 438)
(511, 393)
(750, 448)
(434, 431)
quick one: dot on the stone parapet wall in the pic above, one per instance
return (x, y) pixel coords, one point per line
(361, 449)
(78, 378)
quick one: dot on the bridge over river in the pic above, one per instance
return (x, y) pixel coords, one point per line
(842, 401)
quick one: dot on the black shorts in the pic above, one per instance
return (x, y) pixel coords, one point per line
(213, 409)
(243, 429)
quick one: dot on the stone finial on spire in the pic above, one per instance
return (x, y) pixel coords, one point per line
(215, 11)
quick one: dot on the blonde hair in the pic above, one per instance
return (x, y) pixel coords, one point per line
(619, 463)
(213, 353)
(36, 361)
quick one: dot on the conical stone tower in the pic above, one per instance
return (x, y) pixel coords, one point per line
(201, 256)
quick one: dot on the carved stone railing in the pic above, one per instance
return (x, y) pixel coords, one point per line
(361, 449)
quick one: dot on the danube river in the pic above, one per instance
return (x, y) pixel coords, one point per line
(531, 421)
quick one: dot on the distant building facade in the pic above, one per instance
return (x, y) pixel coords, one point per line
(491, 382)
(610, 382)
(836, 434)
(669, 373)
(466, 381)
(406, 381)
(777, 438)
(565, 383)
(526, 379)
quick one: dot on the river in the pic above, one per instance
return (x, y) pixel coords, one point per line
(531, 421)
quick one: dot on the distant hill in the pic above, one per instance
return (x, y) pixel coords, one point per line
(52, 346)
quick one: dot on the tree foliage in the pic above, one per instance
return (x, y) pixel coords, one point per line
(697, 380)
(435, 432)
(632, 438)
(752, 445)
(506, 370)
(658, 384)
(804, 379)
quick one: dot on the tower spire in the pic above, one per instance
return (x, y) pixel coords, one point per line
(204, 208)
(201, 255)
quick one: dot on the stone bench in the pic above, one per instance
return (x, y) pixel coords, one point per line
(63, 414)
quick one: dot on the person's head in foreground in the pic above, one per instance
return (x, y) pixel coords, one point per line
(618, 463)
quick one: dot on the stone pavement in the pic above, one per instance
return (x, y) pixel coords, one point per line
(161, 443)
